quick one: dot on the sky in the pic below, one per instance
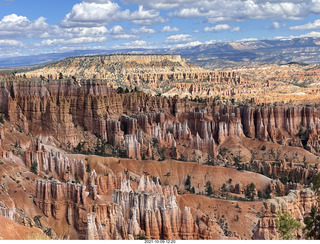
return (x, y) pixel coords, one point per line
(29, 27)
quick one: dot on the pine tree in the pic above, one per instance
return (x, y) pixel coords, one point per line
(187, 184)
(250, 192)
(312, 222)
(287, 225)
(209, 189)
(34, 168)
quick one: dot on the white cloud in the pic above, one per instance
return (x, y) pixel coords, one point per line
(133, 44)
(124, 36)
(143, 30)
(234, 10)
(314, 34)
(170, 29)
(220, 28)
(10, 43)
(146, 17)
(14, 26)
(160, 4)
(73, 41)
(179, 38)
(190, 44)
(308, 26)
(104, 12)
(276, 25)
(117, 29)
(94, 13)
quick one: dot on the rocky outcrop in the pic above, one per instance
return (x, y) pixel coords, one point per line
(298, 203)
(50, 193)
(54, 162)
(287, 172)
(64, 108)
(106, 184)
(149, 211)
(152, 210)
(132, 147)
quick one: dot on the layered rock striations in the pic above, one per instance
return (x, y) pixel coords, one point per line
(129, 121)
(150, 211)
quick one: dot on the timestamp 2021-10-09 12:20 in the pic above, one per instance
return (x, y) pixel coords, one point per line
(160, 241)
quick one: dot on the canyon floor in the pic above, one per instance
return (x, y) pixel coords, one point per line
(133, 147)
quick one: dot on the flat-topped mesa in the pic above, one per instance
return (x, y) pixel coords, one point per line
(298, 203)
(127, 68)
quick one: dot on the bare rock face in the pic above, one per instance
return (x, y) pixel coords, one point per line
(153, 210)
(92, 232)
(106, 183)
(54, 162)
(298, 203)
(64, 109)
(132, 147)
(60, 106)
(289, 171)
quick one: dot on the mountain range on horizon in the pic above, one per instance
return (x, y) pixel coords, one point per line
(213, 55)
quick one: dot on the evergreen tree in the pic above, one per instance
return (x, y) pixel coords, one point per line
(187, 184)
(287, 225)
(209, 189)
(312, 222)
(88, 170)
(34, 168)
(250, 191)
(278, 190)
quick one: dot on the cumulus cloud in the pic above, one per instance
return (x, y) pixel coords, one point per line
(117, 29)
(189, 44)
(234, 10)
(14, 26)
(146, 17)
(179, 38)
(73, 41)
(10, 43)
(314, 34)
(160, 4)
(170, 29)
(93, 13)
(143, 30)
(104, 12)
(220, 28)
(124, 36)
(308, 26)
(134, 44)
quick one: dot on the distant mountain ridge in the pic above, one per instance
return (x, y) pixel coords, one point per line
(215, 55)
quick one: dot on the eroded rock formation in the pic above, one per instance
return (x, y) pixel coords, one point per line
(298, 203)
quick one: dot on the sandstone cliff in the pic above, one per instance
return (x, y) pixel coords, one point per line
(298, 203)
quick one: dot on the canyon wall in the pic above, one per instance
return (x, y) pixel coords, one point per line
(298, 203)
(150, 211)
(64, 109)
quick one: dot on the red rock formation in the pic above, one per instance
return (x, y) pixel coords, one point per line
(298, 203)
(132, 147)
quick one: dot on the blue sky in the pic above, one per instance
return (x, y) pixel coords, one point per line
(42, 26)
